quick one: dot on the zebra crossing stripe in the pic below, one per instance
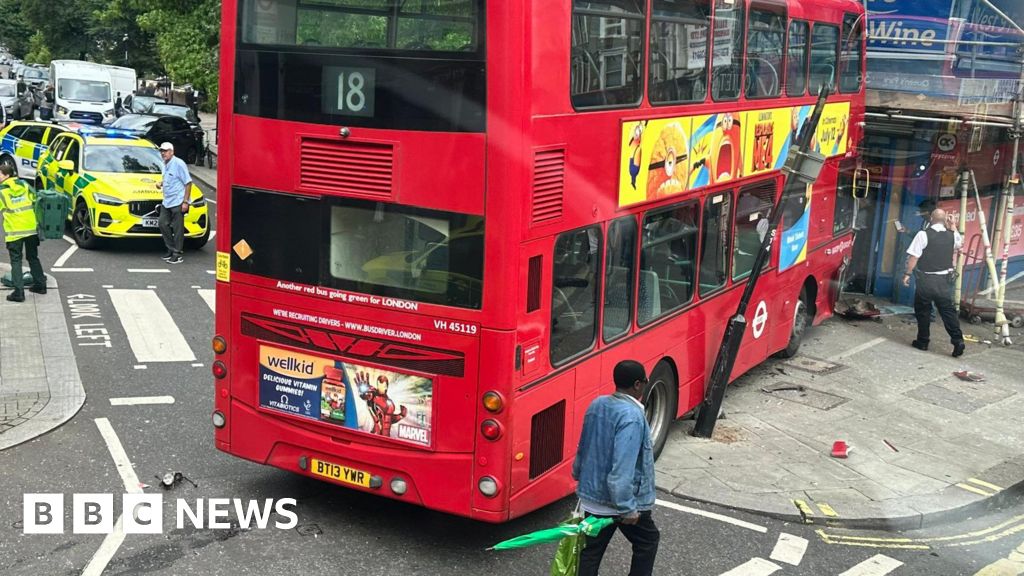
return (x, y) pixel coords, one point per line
(877, 565)
(789, 549)
(150, 328)
(208, 298)
(754, 567)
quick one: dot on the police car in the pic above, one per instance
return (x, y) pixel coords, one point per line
(23, 142)
(111, 177)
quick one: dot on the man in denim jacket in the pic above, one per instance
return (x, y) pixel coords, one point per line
(614, 467)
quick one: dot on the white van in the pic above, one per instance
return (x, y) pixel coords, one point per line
(123, 81)
(81, 91)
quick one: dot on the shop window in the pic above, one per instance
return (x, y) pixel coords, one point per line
(679, 51)
(667, 261)
(574, 293)
(607, 53)
(619, 269)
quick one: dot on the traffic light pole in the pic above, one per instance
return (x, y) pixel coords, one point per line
(802, 167)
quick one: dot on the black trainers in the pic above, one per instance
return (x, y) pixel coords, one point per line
(38, 289)
(14, 297)
(958, 349)
(919, 345)
(176, 259)
(167, 257)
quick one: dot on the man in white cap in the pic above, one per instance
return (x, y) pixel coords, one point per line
(177, 188)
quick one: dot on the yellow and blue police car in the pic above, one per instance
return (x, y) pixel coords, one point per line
(111, 176)
(23, 142)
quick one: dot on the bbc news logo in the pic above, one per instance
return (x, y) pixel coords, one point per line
(144, 513)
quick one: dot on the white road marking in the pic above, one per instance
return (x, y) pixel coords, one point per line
(139, 366)
(68, 239)
(712, 515)
(789, 549)
(211, 272)
(151, 287)
(150, 270)
(197, 364)
(208, 297)
(212, 234)
(151, 331)
(140, 400)
(70, 269)
(211, 200)
(859, 348)
(196, 287)
(98, 562)
(64, 257)
(878, 565)
(754, 567)
(108, 285)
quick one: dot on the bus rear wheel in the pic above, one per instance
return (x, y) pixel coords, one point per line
(660, 404)
(801, 320)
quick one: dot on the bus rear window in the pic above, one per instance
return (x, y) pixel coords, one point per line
(405, 252)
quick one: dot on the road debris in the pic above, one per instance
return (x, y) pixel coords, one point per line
(969, 376)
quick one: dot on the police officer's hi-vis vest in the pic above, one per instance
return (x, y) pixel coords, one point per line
(16, 204)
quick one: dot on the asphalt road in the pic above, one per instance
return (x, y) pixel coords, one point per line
(341, 531)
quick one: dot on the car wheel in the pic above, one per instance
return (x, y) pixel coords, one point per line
(6, 160)
(191, 155)
(198, 243)
(81, 227)
(800, 323)
(660, 404)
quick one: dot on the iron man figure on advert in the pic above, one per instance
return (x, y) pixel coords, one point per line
(382, 408)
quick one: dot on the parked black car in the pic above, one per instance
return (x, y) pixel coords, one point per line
(139, 103)
(158, 129)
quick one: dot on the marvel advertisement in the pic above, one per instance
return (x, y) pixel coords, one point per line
(372, 400)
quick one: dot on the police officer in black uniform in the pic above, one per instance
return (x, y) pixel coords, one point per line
(931, 255)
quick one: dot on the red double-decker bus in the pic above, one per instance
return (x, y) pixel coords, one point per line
(443, 222)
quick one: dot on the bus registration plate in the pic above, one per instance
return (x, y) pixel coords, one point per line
(341, 473)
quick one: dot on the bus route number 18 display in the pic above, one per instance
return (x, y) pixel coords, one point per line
(348, 91)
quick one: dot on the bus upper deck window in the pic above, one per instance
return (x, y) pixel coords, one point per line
(607, 49)
(765, 40)
(678, 66)
(727, 51)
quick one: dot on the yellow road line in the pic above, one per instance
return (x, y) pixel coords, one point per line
(992, 538)
(804, 509)
(970, 488)
(974, 534)
(984, 484)
(827, 510)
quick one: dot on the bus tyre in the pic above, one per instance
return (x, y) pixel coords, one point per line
(796, 334)
(660, 404)
(81, 227)
(198, 243)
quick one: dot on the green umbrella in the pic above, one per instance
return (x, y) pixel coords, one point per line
(590, 526)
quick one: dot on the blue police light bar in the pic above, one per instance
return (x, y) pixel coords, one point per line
(94, 131)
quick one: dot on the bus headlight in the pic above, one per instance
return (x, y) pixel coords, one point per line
(488, 486)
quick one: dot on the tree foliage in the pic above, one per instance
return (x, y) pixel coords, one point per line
(14, 30)
(187, 34)
(38, 52)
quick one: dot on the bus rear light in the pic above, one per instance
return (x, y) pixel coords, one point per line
(220, 345)
(490, 429)
(219, 370)
(218, 419)
(398, 485)
(488, 486)
(493, 402)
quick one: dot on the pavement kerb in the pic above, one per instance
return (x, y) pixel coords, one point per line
(201, 176)
(66, 398)
(911, 521)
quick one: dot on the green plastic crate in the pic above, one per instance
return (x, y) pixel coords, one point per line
(52, 213)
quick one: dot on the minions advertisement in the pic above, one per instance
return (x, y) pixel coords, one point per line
(380, 402)
(666, 156)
